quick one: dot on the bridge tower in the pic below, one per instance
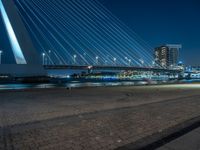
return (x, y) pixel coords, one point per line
(26, 57)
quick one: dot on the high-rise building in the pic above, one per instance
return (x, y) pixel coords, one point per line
(161, 56)
(167, 56)
(174, 50)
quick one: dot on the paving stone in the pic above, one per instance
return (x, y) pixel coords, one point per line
(91, 119)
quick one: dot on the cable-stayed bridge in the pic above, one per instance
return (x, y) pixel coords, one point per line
(71, 34)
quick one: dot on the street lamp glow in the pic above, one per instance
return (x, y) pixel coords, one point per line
(126, 58)
(43, 58)
(75, 56)
(90, 67)
(0, 55)
(142, 61)
(49, 62)
(129, 62)
(114, 59)
(97, 60)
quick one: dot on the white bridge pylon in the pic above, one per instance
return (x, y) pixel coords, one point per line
(26, 57)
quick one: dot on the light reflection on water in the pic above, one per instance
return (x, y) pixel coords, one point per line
(79, 84)
(64, 85)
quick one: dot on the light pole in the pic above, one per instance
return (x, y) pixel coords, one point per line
(74, 57)
(0, 55)
(84, 58)
(142, 62)
(106, 62)
(129, 61)
(114, 59)
(97, 59)
(153, 63)
(49, 62)
(126, 59)
(43, 58)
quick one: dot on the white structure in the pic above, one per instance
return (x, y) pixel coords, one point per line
(26, 58)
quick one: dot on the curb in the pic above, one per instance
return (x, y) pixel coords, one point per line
(157, 140)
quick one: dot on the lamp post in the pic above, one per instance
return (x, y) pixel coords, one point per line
(129, 61)
(153, 63)
(114, 59)
(74, 57)
(142, 62)
(43, 58)
(49, 62)
(106, 62)
(126, 59)
(97, 60)
(0, 55)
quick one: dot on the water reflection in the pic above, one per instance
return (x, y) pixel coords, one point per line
(79, 84)
(73, 84)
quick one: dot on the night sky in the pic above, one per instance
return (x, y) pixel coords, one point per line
(163, 21)
(159, 22)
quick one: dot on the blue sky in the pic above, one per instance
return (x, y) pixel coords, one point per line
(157, 22)
(163, 21)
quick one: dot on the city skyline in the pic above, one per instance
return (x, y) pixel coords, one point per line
(162, 22)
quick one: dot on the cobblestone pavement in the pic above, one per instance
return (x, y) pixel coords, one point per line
(90, 119)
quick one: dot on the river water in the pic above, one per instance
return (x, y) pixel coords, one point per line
(82, 84)
(72, 84)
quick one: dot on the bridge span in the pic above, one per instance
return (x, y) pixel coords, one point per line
(117, 68)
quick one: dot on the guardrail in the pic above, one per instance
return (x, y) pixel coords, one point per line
(74, 67)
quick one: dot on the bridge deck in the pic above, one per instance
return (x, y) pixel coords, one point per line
(52, 67)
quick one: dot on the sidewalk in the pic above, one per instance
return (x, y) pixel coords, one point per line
(189, 141)
(104, 118)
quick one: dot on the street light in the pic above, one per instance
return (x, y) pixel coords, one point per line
(115, 59)
(126, 58)
(129, 61)
(49, 57)
(142, 61)
(153, 63)
(43, 58)
(106, 62)
(97, 60)
(0, 55)
(75, 56)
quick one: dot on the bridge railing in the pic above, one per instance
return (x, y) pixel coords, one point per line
(75, 67)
